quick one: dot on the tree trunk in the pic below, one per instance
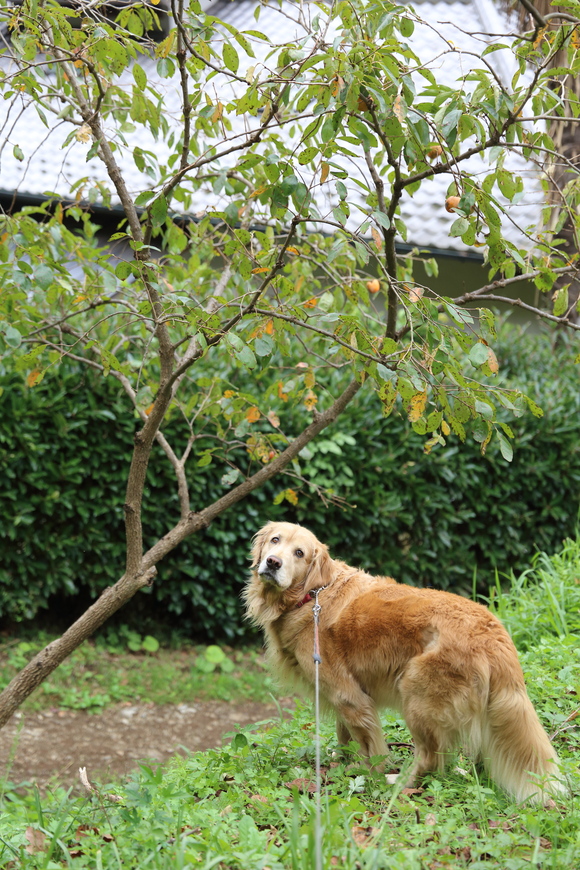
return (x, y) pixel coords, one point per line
(113, 598)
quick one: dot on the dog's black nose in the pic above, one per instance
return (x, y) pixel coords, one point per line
(273, 563)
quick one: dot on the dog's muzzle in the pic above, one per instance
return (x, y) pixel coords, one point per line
(269, 568)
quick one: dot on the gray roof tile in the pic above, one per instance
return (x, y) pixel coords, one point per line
(442, 28)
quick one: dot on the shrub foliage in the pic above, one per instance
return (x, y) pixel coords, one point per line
(426, 519)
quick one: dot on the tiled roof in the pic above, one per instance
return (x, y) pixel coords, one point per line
(48, 167)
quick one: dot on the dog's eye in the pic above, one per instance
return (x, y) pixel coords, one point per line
(298, 553)
(275, 539)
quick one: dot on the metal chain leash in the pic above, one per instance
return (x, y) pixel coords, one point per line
(317, 661)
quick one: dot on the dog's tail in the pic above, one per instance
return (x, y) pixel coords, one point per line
(516, 749)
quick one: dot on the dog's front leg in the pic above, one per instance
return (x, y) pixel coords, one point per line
(357, 717)
(342, 733)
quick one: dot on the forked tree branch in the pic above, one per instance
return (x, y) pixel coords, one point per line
(114, 597)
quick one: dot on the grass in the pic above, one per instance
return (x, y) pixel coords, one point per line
(97, 675)
(249, 805)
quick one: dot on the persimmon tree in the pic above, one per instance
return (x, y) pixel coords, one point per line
(260, 190)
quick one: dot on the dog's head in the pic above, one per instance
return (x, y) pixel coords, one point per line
(287, 557)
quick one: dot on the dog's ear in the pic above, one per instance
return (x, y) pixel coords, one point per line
(321, 569)
(258, 543)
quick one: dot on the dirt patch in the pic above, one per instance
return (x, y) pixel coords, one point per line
(51, 746)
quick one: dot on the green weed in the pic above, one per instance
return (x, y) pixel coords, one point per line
(250, 804)
(95, 676)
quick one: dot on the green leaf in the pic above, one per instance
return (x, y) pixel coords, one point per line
(140, 76)
(264, 345)
(158, 211)
(478, 355)
(459, 227)
(561, 301)
(18, 152)
(407, 27)
(12, 336)
(307, 155)
(382, 219)
(43, 276)
(230, 57)
(505, 447)
(150, 644)
(246, 357)
(123, 270)
(215, 654)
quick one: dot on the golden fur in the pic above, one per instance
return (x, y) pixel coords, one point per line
(447, 664)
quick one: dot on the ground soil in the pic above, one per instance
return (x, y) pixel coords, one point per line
(48, 748)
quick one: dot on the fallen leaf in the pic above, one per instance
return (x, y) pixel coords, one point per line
(36, 840)
(363, 836)
(303, 785)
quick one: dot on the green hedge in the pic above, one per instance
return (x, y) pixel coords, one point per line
(64, 453)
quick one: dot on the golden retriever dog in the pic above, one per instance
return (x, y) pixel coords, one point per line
(446, 663)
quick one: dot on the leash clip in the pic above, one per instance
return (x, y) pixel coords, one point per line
(316, 612)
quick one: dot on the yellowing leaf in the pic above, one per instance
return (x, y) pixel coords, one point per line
(399, 108)
(540, 36)
(269, 328)
(415, 293)
(292, 250)
(218, 112)
(311, 303)
(148, 410)
(417, 405)
(273, 419)
(260, 269)
(281, 394)
(378, 239)
(229, 393)
(291, 496)
(324, 172)
(310, 400)
(258, 191)
(445, 428)
(492, 361)
(252, 415)
(337, 85)
(33, 378)
(165, 48)
(309, 380)
(79, 298)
